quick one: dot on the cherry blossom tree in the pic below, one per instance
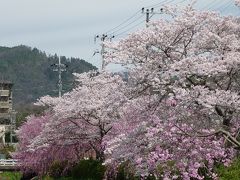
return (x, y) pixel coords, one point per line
(85, 114)
(175, 117)
(28, 131)
(190, 61)
(77, 123)
(40, 159)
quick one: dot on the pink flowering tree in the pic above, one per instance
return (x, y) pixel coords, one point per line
(40, 159)
(85, 114)
(183, 95)
(175, 118)
(28, 131)
(76, 126)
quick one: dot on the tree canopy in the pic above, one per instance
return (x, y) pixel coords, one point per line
(175, 117)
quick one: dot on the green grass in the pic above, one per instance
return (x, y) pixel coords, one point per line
(62, 178)
(50, 178)
(10, 176)
(230, 173)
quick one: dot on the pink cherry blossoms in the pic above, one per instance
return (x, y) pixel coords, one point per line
(191, 60)
(175, 117)
(39, 160)
(237, 2)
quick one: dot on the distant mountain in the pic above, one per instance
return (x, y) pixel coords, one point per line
(32, 74)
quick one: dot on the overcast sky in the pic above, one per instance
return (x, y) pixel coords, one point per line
(67, 27)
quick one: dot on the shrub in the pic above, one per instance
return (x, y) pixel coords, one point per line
(7, 150)
(127, 172)
(57, 168)
(28, 175)
(89, 169)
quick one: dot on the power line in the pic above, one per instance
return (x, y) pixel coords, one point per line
(115, 29)
(177, 3)
(223, 5)
(150, 13)
(119, 27)
(217, 5)
(220, 6)
(123, 22)
(160, 3)
(132, 27)
(136, 19)
(104, 37)
(227, 6)
(182, 1)
(210, 5)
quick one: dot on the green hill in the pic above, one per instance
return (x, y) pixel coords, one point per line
(32, 74)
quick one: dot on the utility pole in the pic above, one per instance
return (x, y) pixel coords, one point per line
(59, 68)
(149, 13)
(102, 52)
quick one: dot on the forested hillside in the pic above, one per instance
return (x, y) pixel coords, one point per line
(31, 72)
